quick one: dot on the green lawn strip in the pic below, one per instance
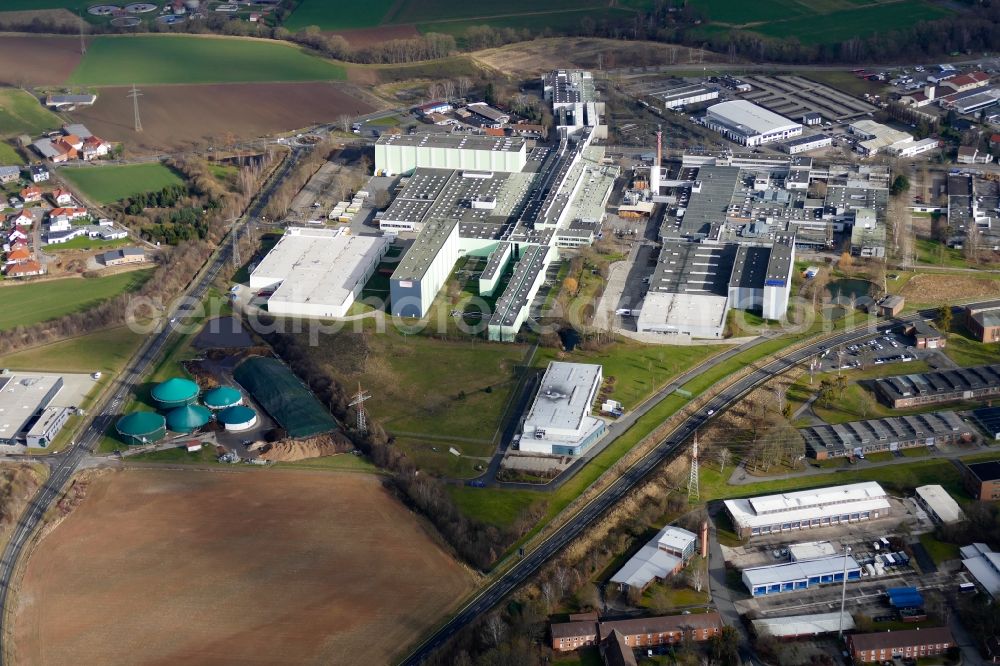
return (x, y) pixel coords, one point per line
(566, 20)
(85, 243)
(427, 11)
(33, 302)
(496, 506)
(107, 184)
(344, 462)
(935, 253)
(837, 26)
(165, 59)
(968, 352)
(588, 656)
(444, 463)
(939, 550)
(638, 369)
(22, 113)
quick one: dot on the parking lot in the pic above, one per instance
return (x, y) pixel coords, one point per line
(881, 350)
(794, 96)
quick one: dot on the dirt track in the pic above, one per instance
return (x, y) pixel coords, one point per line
(186, 116)
(35, 60)
(258, 566)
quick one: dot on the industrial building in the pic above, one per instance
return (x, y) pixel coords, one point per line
(402, 153)
(676, 94)
(800, 575)
(804, 144)
(868, 234)
(804, 509)
(424, 269)
(803, 626)
(559, 421)
(695, 285)
(174, 392)
(665, 555)
(988, 420)
(984, 565)
(882, 646)
(573, 98)
(237, 418)
(941, 386)
(317, 272)
(983, 321)
(982, 479)
(188, 418)
(859, 438)
(49, 423)
(748, 124)
(22, 399)
(512, 307)
(939, 504)
(141, 427)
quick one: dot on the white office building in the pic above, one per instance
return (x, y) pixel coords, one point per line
(559, 422)
(317, 272)
(751, 125)
(941, 506)
(664, 555)
(804, 509)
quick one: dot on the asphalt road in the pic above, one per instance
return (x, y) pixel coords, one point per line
(109, 410)
(531, 562)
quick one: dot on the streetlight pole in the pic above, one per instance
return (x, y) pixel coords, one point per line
(843, 595)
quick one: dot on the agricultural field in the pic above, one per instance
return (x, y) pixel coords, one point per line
(27, 5)
(37, 60)
(9, 156)
(30, 303)
(21, 113)
(567, 20)
(338, 14)
(260, 567)
(174, 118)
(150, 60)
(427, 11)
(105, 184)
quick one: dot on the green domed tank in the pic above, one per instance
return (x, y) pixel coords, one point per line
(141, 427)
(188, 418)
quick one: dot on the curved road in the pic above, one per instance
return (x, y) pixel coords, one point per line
(85, 445)
(524, 568)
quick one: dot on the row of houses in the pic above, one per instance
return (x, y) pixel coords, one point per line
(74, 142)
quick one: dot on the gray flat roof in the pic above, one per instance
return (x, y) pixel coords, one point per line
(710, 205)
(497, 258)
(779, 264)
(693, 268)
(750, 266)
(569, 86)
(801, 570)
(562, 400)
(943, 382)
(22, 396)
(425, 248)
(806, 139)
(465, 141)
(515, 296)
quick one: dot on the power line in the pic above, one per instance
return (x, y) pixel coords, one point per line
(693, 490)
(135, 95)
(359, 402)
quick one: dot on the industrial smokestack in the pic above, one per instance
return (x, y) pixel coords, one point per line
(703, 534)
(659, 148)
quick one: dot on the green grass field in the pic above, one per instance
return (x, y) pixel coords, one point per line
(106, 184)
(85, 243)
(106, 351)
(836, 26)
(146, 60)
(21, 113)
(566, 20)
(338, 14)
(31, 303)
(9, 156)
(736, 12)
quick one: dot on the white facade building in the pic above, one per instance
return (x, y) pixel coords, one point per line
(819, 507)
(317, 272)
(559, 422)
(939, 504)
(751, 125)
(664, 555)
(402, 153)
(424, 269)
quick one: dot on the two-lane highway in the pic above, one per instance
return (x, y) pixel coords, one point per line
(518, 573)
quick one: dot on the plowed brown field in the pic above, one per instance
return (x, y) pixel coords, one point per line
(37, 60)
(212, 567)
(176, 118)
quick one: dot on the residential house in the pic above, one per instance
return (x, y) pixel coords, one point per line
(126, 255)
(18, 256)
(69, 213)
(39, 174)
(637, 632)
(31, 194)
(94, 147)
(8, 174)
(62, 197)
(434, 107)
(616, 652)
(22, 218)
(971, 155)
(27, 269)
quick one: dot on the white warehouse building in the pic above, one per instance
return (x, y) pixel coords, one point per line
(751, 125)
(317, 272)
(402, 153)
(819, 507)
(424, 269)
(559, 421)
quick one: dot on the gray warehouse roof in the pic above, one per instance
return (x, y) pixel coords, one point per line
(515, 296)
(710, 204)
(693, 268)
(942, 382)
(425, 248)
(465, 141)
(840, 438)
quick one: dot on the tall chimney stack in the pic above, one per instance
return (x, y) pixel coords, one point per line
(703, 533)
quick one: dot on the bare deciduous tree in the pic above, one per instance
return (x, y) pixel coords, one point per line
(494, 630)
(723, 456)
